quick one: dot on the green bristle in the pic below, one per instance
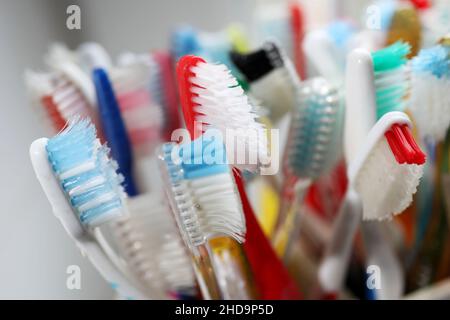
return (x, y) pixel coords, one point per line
(391, 57)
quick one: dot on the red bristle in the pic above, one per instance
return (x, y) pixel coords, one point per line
(419, 156)
(398, 154)
(403, 145)
(53, 113)
(184, 86)
(297, 29)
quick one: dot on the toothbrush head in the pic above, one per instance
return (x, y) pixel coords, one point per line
(86, 173)
(212, 98)
(258, 64)
(387, 172)
(430, 97)
(114, 127)
(391, 77)
(405, 25)
(142, 114)
(153, 247)
(163, 81)
(315, 131)
(184, 40)
(202, 192)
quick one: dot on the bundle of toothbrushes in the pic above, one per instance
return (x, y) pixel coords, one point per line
(308, 159)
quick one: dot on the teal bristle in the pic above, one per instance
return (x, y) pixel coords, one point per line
(391, 57)
(391, 77)
(315, 131)
(87, 175)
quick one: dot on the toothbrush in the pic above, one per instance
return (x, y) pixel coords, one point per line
(325, 49)
(205, 204)
(297, 22)
(163, 89)
(83, 188)
(114, 129)
(384, 158)
(153, 249)
(39, 88)
(405, 25)
(430, 101)
(313, 148)
(210, 96)
(63, 93)
(272, 77)
(391, 78)
(142, 115)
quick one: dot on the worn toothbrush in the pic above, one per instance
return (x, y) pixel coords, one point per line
(211, 98)
(84, 189)
(384, 167)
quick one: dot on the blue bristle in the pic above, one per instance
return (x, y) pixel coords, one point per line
(114, 128)
(434, 60)
(202, 158)
(76, 146)
(315, 133)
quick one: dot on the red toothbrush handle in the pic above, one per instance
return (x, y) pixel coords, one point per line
(298, 31)
(270, 275)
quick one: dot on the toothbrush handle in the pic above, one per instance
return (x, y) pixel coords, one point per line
(334, 265)
(233, 269)
(271, 277)
(205, 274)
(108, 271)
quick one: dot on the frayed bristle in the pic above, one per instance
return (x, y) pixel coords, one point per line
(430, 96)
(153, 247)
(385, 186)
(391, 78)
(206, 200)
(315, 131)
(86, 173)
(219, 102)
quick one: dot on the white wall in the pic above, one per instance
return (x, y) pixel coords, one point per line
(34, 249)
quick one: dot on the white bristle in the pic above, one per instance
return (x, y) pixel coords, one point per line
(222, 104)
(69, 99)
(385, 186)
(37, 84)
(153, 247)
(59, 53)
(385, 81)
(430, 104)
(141, 114)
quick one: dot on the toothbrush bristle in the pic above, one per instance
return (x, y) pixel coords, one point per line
(385, 185)
(315, 131)
(86, 173)
(403, 145)
(205, 198)
(391, 77)
(153, 247)
(211, 96)
(430, 96)
(143, 117)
